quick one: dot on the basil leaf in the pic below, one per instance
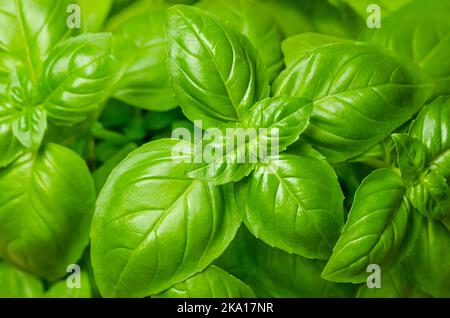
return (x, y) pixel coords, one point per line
(431, 196)
(427, 264)
(15, 283)
(341, 22)
(153, 226)
(271, 272)
(216, 74)
(432, 127)
(411, 156)
(61, 289)
(301, 44)
(212, 282)
(10, 147)
(80, 73)
(29, 29)
(29, 127)
(347, 101)
(145, 84)
(293, 203)
(252, 20)
(419, 31)
(37, 218)
(285, 118)
(375, 231)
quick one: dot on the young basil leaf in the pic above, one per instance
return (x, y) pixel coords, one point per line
(212, 282)
(29, 29)
(293, 203)
(427, 264)
(375, 230)
(224, 155)
(37, 218)
(285, 118)
(216, 73)
(10, 147)
(411, 157)
(347, 101)
(251, 19)
(271, 272)
(153, 226)
(301, 44)
(431, 196)
(425, 41)
(80, 73)
(15, 283)
(432, 128)
(61, 290)
(394, 284)
(29, 127)
(145, 84)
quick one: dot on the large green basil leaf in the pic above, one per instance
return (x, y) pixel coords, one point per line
(419, 31)
(80, 73)
(17, 284)
(411, 157)
(61, 290)
(375, 231)
(213, 282)
(271, 272)
(348, 101)
(293, 203)
(432, 128)
(153, 226)
(394, 284)
(427, 264)
(145, 84)
(252, 20)
(45, 210)
(29, 29)
(216, 73)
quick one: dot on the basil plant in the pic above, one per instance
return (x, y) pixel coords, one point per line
(118, 176)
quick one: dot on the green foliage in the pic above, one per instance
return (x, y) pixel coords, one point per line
(309, 147)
